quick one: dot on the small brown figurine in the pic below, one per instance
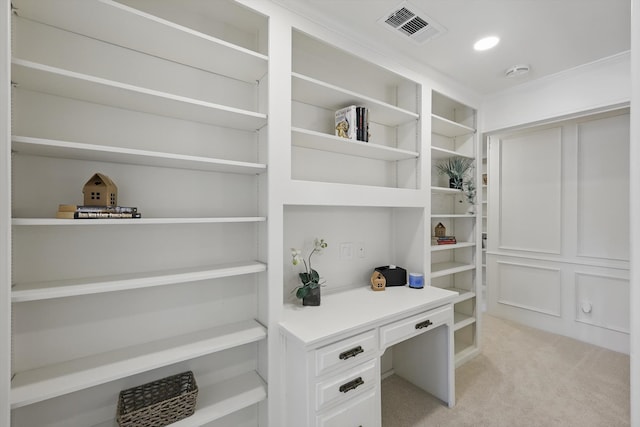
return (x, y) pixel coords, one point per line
(378, 281)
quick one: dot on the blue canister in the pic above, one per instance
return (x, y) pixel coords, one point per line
(416, 280)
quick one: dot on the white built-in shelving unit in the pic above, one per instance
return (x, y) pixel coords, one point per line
(456, 266)
(368, 196)
(318, 89)
(137, 90)
(172, 100)
(339, 181)
(484, 220)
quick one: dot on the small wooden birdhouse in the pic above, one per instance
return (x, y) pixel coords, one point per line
(100, 191)
(378, 281)
(440, 230)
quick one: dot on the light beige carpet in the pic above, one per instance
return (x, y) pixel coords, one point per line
(523, 377)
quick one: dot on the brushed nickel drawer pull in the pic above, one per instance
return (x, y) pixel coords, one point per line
(351, 385)
(424, 324)
(351, 353)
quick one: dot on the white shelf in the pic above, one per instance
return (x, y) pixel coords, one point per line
(315, 193)
(23, 292)
(217, 400)
(69, 84)
(321, 141)
(122, 25)
(461, 320)
(438, 153)
(453, 216)
(463, 294)
(103, 153)
(466, 354)
(446, 268)
(132, 221)
(446, 190)
(436, 248)
(449, 128)
(55, 380)
(220, 399)
(315, 92)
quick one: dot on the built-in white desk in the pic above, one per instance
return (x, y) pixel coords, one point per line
(332, 352)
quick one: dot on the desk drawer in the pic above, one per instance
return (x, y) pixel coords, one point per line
(347, 352)
(360, 412)
(406, 328)
(343, 387)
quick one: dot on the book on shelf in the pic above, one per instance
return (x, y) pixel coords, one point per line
(86, 208)
(96, 212)
(362, 122)
(446, 240)
(352, 122)
(97, 215)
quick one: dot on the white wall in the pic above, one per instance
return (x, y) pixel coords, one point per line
(558, 230)
(342, 228)
(590, 87)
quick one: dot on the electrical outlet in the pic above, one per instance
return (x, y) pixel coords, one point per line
(360, 250)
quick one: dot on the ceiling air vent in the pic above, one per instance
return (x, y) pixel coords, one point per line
(410, 22)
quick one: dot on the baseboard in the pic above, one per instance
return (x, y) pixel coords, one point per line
(386, 374)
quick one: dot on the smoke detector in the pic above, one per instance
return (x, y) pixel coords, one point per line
(517, 70)
(412, 23)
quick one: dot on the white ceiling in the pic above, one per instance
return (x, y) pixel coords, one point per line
(548, 35)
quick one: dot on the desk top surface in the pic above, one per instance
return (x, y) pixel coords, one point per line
(343, 312)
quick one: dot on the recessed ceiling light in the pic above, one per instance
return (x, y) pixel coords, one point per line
(486, 43)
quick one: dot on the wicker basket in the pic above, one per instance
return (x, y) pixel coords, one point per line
(158, 403)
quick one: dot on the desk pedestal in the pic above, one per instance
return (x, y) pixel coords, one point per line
(332, 352)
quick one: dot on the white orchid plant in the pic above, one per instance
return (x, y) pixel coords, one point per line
(309, 279)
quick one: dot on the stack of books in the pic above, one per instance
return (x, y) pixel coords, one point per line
(352, 122)
(446, 240)
(96, 212)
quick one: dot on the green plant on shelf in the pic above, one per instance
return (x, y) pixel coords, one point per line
(457, 169)
(469, 189)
